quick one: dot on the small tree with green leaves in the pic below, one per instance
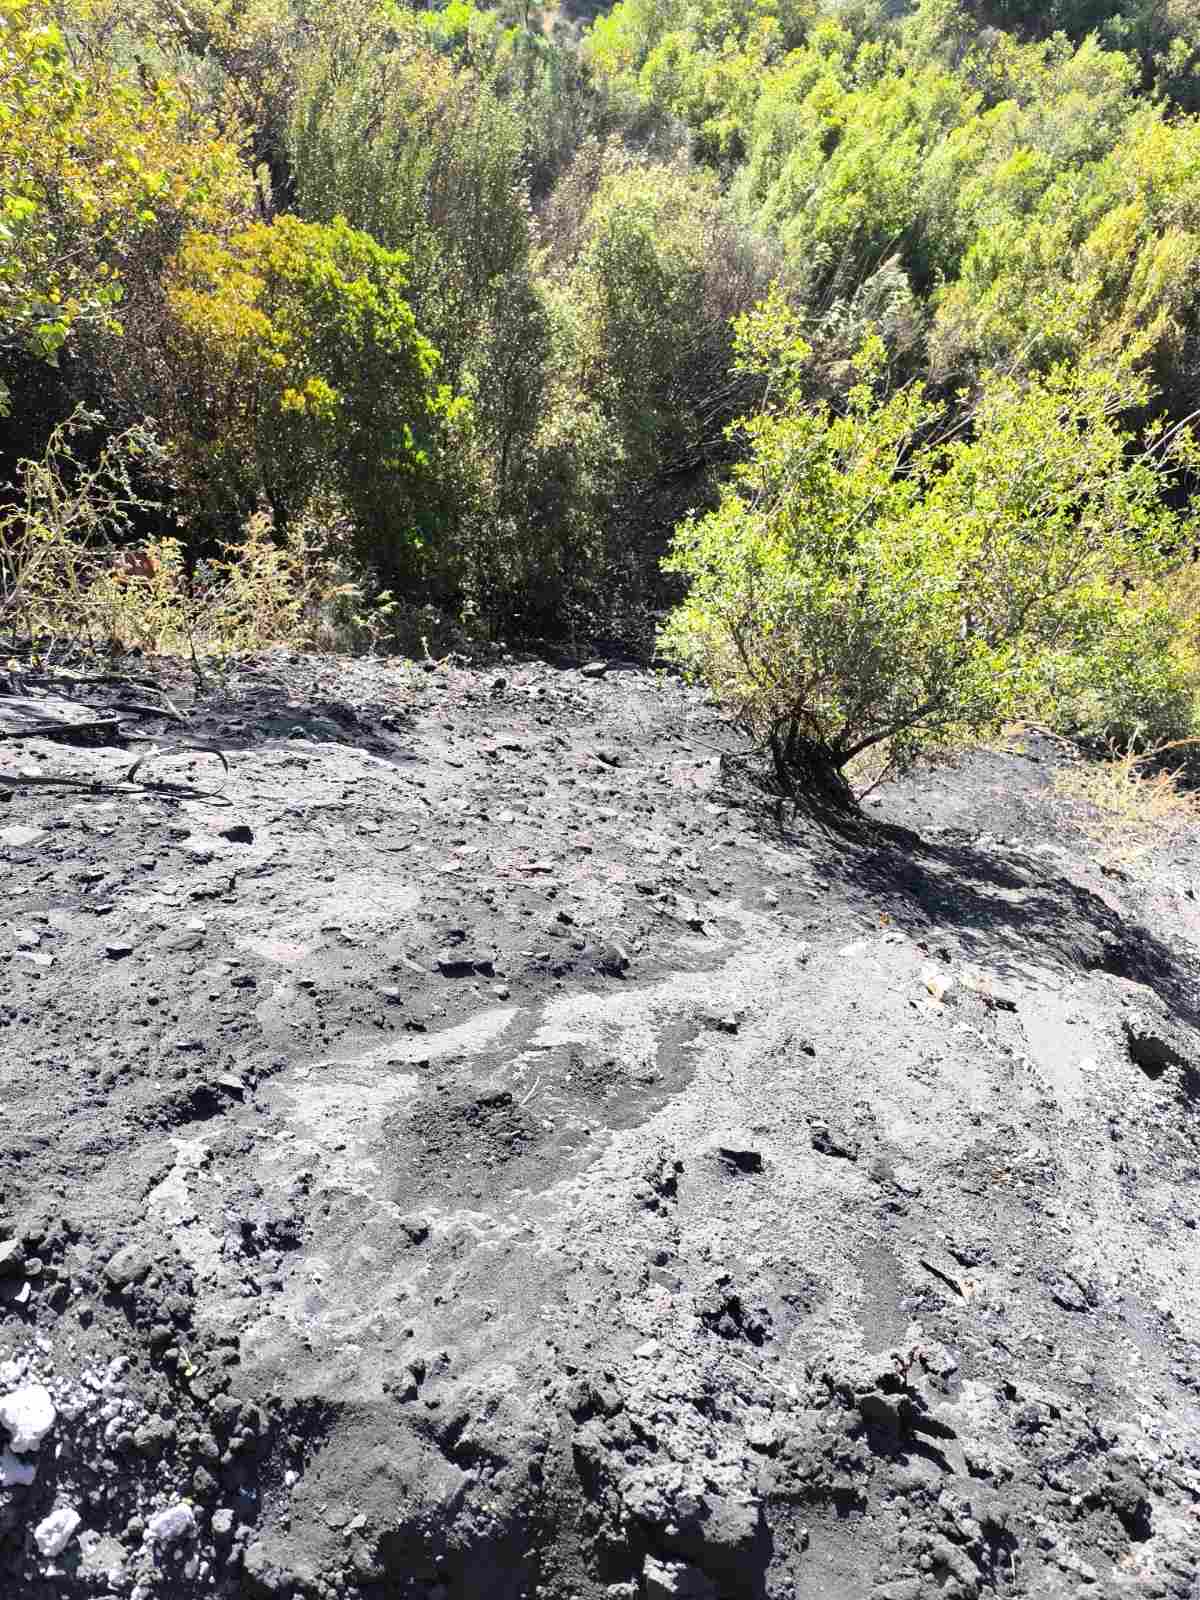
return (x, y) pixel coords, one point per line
(291, 363)
(875, 580)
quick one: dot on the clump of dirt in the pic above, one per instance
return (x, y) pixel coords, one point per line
(474, 1149)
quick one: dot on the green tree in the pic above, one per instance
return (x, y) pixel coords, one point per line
(871, 579)
(291, 361)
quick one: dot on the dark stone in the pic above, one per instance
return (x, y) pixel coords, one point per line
(829, 1141)
(465, 964)
(738, 1157)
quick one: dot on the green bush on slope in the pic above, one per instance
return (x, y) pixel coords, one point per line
(875, 578)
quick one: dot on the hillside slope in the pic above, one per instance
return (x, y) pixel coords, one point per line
(481, 1154)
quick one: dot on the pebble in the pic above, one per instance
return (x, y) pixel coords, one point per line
(55, 1532)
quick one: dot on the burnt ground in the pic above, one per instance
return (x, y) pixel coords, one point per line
(481, 1153)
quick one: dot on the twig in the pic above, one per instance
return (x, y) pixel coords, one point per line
(178, 749)
(56, 730)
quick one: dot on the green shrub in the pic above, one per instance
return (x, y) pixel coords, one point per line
(292, 363)
(873, 579)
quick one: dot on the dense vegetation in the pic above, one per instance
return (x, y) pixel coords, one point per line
(879, 322)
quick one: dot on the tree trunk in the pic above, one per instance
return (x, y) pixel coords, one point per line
(810, 774)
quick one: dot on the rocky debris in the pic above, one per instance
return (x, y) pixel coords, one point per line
(675, 1580)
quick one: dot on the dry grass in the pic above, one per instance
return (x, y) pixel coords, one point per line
(1130, 802)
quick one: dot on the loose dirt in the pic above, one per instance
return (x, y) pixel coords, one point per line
(481, 1151)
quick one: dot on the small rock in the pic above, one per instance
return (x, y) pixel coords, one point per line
(829, 1141)
(613, 961)
(594, 669)
(222, 1523)
(171, 1525)
(736, 1153)
(117, 950)
(990, 991)
(676, 1580)
(19, 835)
(940, 985)
(55, 1532)
(239, 833)
(128, 1265)
(28, 1414)
(1149, 1048)
(465, 964)
(12, 1257)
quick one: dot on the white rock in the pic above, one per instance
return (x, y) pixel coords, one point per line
(55, 1532)
(940, 985)
(15, 1473)
(28, 1414)
(176, 1522)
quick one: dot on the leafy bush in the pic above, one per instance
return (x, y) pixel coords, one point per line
(100, 171)
(873, 578)
(289, 362)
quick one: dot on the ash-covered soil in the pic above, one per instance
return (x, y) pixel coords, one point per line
(482, 1153)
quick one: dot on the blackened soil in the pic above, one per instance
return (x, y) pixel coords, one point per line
(474, 1149)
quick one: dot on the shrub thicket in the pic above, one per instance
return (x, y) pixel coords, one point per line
(247, 228)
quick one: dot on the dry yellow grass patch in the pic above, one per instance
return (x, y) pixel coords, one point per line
(1131, 803)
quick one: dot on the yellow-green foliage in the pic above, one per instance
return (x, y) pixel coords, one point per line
(99, 169)
(293, 362)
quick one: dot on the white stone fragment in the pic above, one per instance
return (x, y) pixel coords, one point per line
(55, 1532)
(15, 1473)
(28, 1414)
(940, 985)
(176, 1522)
